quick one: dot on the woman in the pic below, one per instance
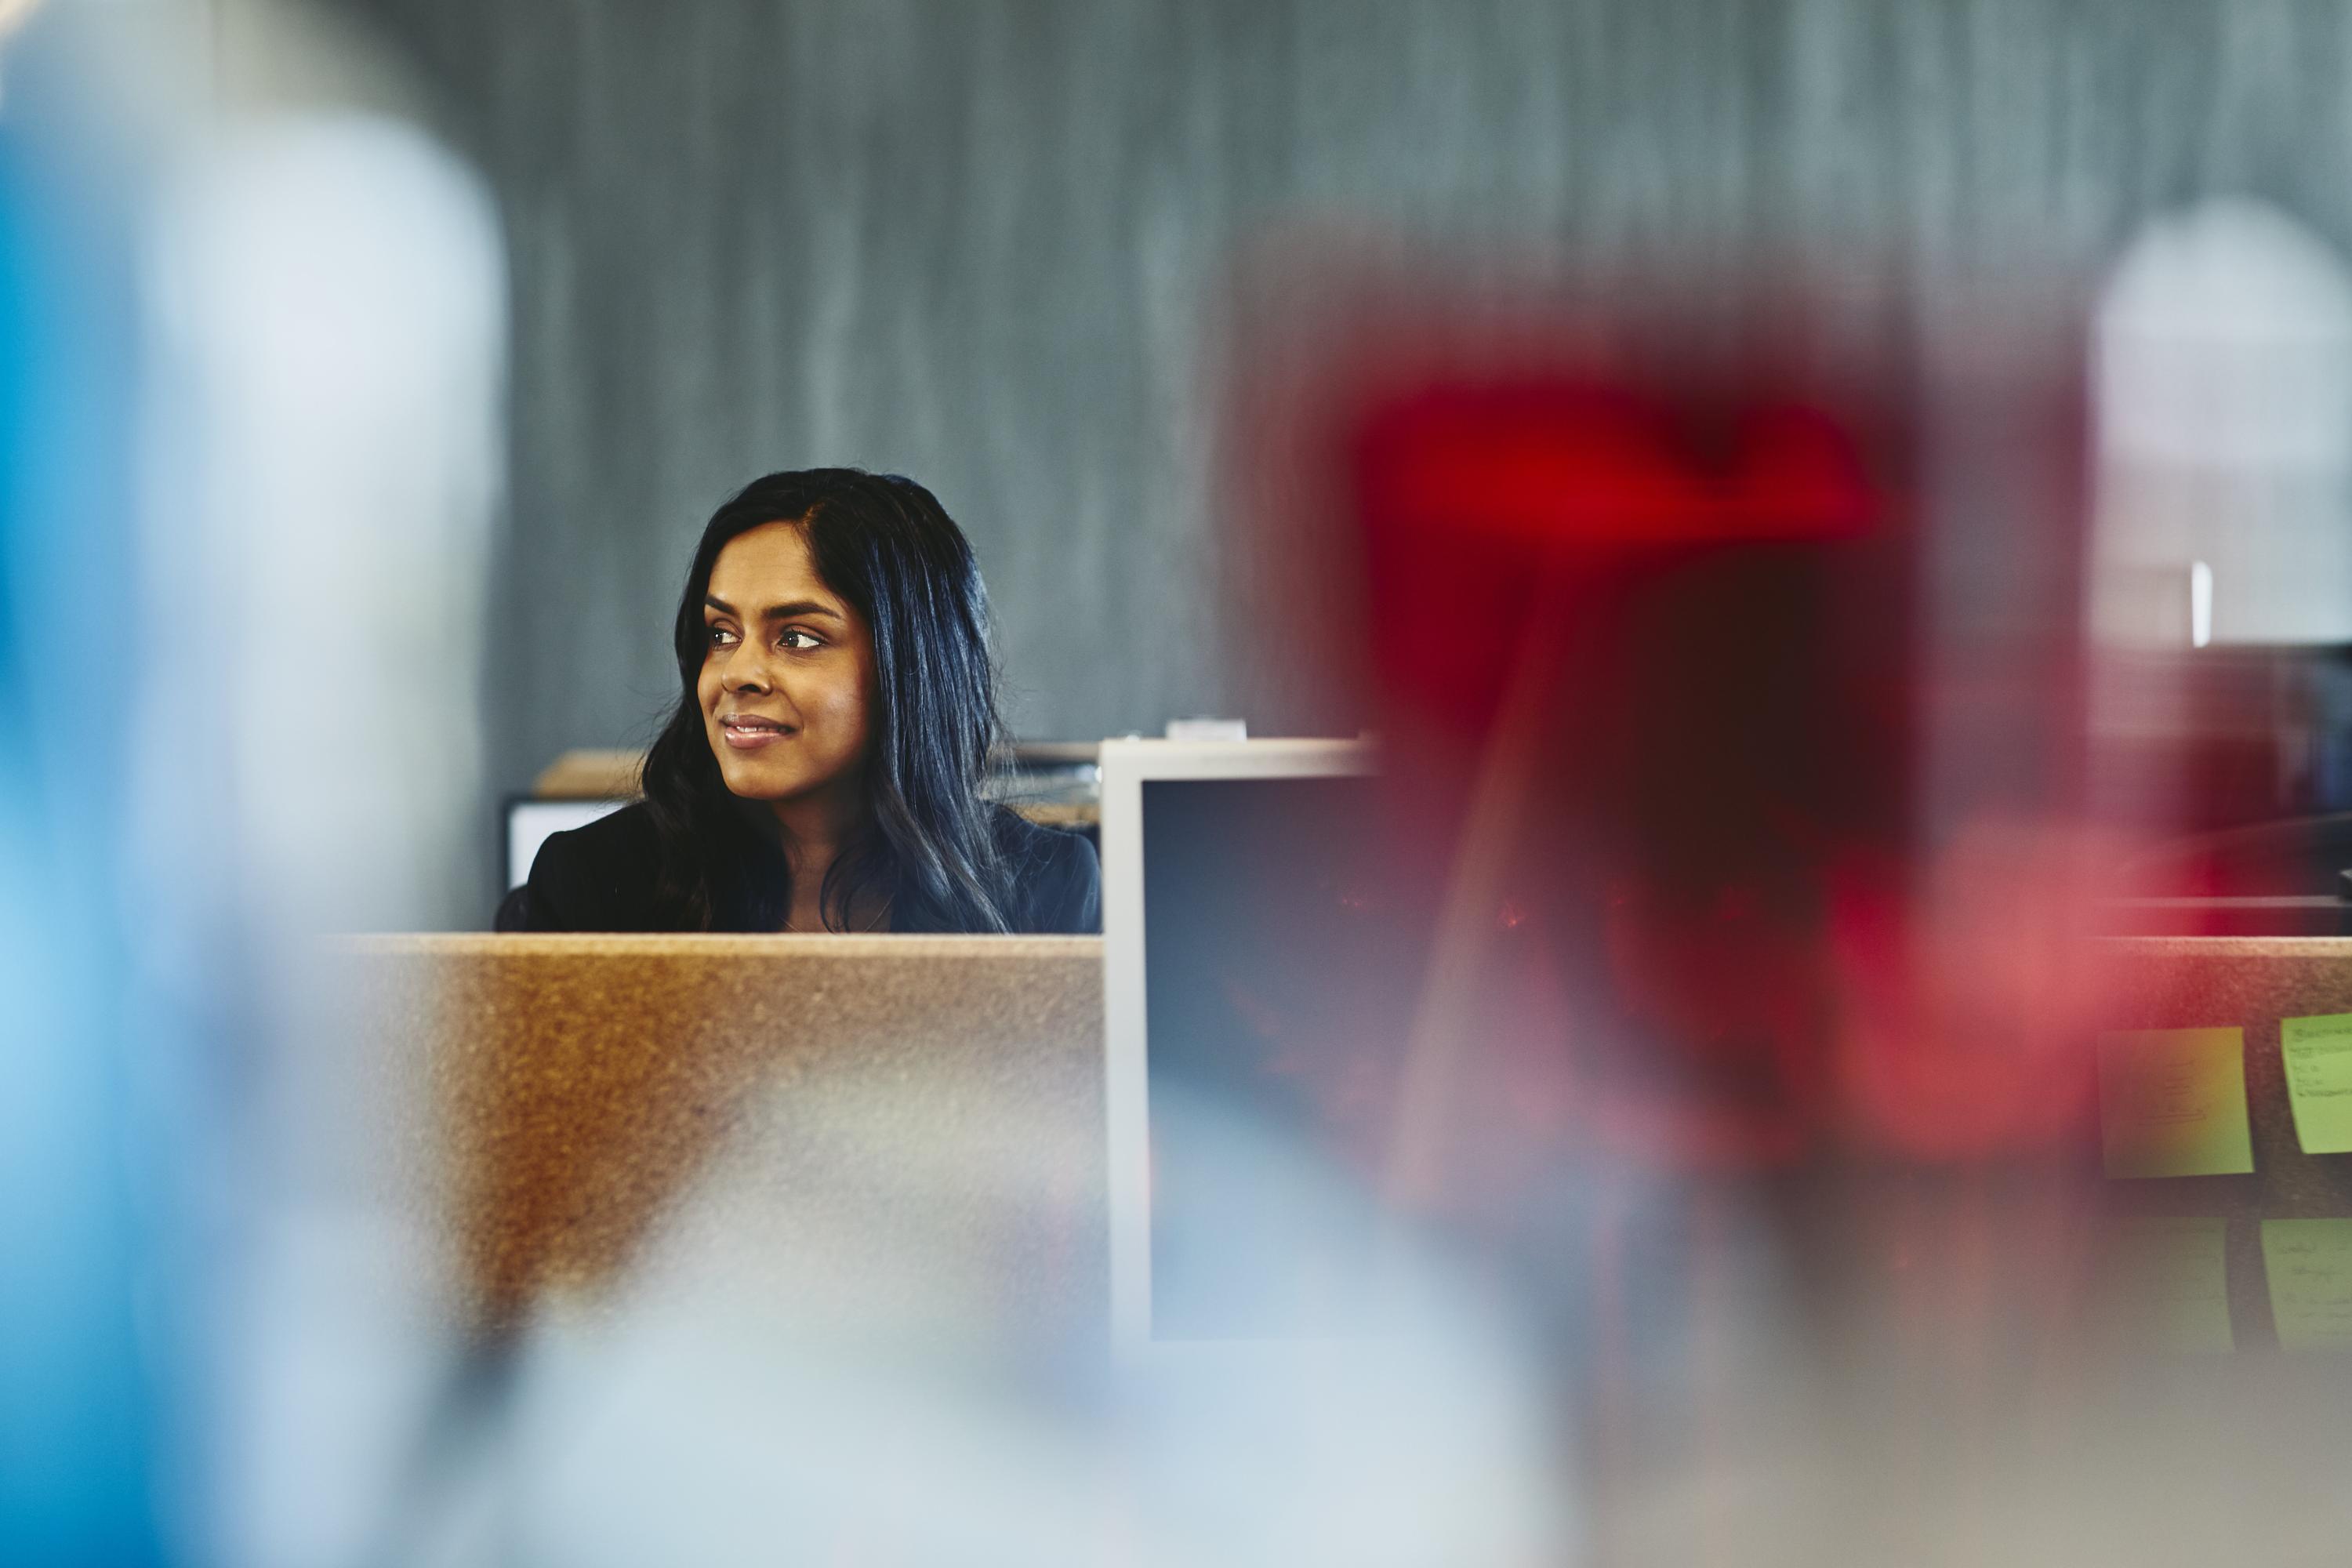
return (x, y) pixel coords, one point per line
(822, 769)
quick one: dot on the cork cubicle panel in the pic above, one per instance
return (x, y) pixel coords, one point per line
(2251, 984)
(2248, 983)
(576, 1089)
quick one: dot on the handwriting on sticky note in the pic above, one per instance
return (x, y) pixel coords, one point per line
(2165, 1285)
(2309, 1264)
(2318, 1056)
(2172, 1102)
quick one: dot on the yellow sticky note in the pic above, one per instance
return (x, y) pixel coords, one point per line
(2172, 1102)
(2309, 1264)
(2165, 1285)
(2318, 1054)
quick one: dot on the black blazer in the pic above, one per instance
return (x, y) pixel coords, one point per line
(602, 878)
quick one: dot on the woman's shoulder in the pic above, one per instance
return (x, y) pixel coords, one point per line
(1026, 844)
(600, 876)
(1057, 876)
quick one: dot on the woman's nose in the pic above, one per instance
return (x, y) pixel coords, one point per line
(743, 670)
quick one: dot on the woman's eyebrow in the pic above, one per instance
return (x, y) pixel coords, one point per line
(796, 608)
(774, 612)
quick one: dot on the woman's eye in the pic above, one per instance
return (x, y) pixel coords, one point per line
(719, 637)
(797, 638)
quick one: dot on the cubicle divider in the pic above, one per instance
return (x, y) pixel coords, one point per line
(2287, 1283)
(576, 1089)
(565, 1093)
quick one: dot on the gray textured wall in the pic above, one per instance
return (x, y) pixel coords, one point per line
(983, 242)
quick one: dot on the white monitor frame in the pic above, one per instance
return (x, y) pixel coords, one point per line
(532, 821)
(1127, 766)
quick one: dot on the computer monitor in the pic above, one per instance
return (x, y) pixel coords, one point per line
(531, 822)
(1262, 958)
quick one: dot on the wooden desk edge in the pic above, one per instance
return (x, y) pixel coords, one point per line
(618, 944)
(648, 945)
(2233, 946)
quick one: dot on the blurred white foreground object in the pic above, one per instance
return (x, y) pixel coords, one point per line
(330, 299)
(328, 317)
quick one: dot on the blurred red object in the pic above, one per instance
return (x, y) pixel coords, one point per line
(1664, 650)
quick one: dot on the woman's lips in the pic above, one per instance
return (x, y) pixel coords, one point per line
(744, 734)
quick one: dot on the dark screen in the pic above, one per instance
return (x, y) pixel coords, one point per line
(1283, 959)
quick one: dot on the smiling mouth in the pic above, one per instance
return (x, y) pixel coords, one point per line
(744, 734)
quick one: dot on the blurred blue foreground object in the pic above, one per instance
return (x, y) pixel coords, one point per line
(76, 1406)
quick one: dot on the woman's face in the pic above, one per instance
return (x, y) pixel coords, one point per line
(787, 679)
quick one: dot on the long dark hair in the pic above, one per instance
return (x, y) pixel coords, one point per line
(886, 545)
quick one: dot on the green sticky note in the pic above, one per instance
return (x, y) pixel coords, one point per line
(2309, 1264)
(2165, 1285)
(2172, 1102)
(2318, 1054)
